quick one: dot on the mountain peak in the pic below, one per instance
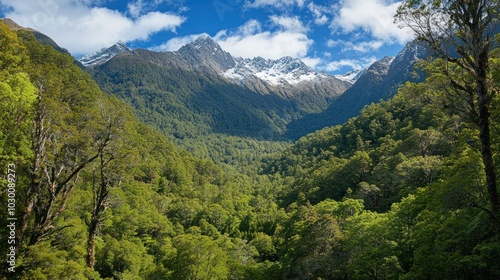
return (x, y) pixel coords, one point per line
(290, 64)
(104, 55)
(204, 51)
(120, 43)
(204, 38)
(14, 26)
(204, 43)
(119, 47)
(381, 67)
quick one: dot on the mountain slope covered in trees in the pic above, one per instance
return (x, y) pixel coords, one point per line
(188, 96)
(379, 82)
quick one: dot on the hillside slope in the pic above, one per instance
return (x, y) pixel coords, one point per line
(195, 83)
(379, 82)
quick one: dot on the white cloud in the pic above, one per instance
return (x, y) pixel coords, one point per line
(288, 38)
(176, 43)
(82, 27)
(290, 23)
(355, 64)
(364, 46)
(319, 13)
(321, 20)
(250, 41)
(266, 44)
(250, 27)
(372, 16)
(137, 8)
(336, 65)
(312, 62)
(274, 3)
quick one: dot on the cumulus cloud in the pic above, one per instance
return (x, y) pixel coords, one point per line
(251, 41)
(266, 44)
(137, 8)
(82, 27)
(372, 16)
(249, 28)
(355, 64)
(290, 23)
(312, 62)
(287, 37)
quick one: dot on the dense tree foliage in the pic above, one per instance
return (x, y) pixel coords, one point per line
(201, 112)
(101, 195)
(414, 163)
(398, 192)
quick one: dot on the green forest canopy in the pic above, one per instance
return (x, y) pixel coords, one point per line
(397, 192)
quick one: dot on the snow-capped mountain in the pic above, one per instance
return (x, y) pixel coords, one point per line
(104, 55)
(285, 70)
(202, 83)
(204, 53)
(203, 87)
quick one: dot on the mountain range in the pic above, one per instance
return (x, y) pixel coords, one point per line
(204, 54)
(283, 97)
(202, 89)
(275, 72)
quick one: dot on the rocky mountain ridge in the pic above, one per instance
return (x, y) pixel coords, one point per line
(286, 70)
(351, 76)
(302, 100)
(104, 55)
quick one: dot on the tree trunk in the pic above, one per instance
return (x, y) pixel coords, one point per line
(91, 243)
(484, 98)
(101, 192)
(38, 146)
(489, 165)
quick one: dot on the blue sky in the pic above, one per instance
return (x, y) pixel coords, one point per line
(334, 36)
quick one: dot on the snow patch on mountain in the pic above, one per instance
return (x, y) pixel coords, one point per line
(285, 70)
(104, 55)
(351, 76)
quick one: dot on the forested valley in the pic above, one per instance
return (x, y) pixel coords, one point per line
(402, 191)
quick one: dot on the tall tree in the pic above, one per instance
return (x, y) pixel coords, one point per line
(462, 33)
(65, 137)
(107, 170)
